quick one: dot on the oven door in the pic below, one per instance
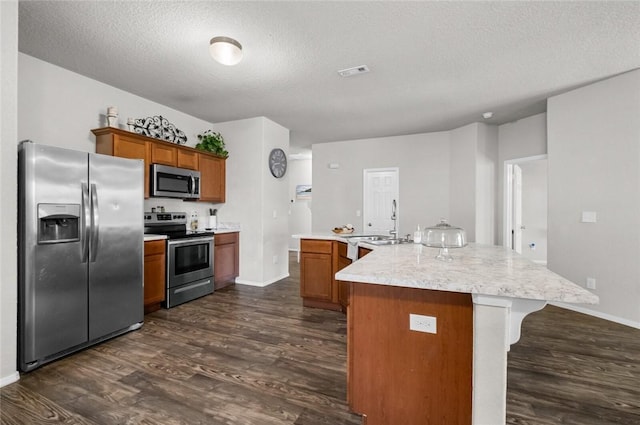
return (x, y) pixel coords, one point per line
(189, 260)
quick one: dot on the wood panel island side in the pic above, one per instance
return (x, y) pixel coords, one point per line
(472, 308)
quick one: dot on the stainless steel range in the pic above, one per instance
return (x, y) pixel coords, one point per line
(189, 256)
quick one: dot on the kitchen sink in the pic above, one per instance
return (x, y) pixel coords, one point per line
(368, 237)
(378, 239)
(388, 241)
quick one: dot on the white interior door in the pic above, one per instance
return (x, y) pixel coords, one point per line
(517, 209)
(381, 189)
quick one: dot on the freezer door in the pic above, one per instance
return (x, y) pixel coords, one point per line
(116, 248)
(52, 290)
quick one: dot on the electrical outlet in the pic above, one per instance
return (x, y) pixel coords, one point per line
(591, 283)
(275, 259)
(420, 323)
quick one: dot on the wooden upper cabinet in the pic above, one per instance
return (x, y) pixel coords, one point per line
(212, 178)
(165, 154)
(187, 159)
(115, 142)
(125, 144)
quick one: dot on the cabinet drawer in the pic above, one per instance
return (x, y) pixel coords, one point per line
(316, 246)
(225, 238)
(154, 247)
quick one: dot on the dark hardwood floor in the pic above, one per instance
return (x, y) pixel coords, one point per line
(255, 356)
(571, 368)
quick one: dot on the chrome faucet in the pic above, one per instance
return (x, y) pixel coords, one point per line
(394, 217)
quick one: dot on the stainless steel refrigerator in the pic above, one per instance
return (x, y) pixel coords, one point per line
(80, 250)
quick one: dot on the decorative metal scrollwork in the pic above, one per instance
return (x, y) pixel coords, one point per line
(159, 128)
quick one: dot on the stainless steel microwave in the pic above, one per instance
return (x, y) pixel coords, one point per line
(173, 182)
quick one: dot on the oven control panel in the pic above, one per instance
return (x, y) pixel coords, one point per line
(165, 218)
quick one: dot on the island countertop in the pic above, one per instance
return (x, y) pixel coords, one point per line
(475, 269)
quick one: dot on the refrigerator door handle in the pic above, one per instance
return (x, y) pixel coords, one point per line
(95, 227)
(86, 222)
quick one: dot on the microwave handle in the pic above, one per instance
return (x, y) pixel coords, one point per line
(192, 185)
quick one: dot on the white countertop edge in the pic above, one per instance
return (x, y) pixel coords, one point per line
(149, 237)
(515, 275)
(232, 230)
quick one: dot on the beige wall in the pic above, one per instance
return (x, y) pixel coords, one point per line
(519, 139)
(254, 195)
(300, 172)
(8, 190)
(594, 165)
(449, 174)
(423, 160)
(462, 169)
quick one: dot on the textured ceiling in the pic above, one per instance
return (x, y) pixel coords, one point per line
(434, 65)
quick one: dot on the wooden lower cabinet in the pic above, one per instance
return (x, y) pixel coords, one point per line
(154, 275)
(363, 251)
(343, 287)
(400, 376)
(226, 259)
(320, 260)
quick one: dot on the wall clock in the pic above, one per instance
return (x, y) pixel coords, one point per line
(277, 162)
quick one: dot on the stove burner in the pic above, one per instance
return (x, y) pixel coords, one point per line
(171, 224)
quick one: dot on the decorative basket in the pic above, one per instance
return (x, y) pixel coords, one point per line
(341, 231)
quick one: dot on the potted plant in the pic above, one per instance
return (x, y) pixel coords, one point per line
(212, 141)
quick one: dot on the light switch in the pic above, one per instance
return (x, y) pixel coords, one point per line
(588, 216)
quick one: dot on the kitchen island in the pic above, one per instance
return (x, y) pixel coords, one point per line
(428, 340)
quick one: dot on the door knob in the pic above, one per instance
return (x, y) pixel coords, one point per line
(369, 224)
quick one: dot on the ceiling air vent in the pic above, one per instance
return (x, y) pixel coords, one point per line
(362, 69)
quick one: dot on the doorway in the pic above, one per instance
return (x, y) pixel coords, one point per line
(381, 209)
(525, 207)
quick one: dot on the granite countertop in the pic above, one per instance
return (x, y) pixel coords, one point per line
(227, 228)
(150, 237)
(475, 269)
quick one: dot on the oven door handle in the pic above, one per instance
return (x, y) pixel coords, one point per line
(190, 241)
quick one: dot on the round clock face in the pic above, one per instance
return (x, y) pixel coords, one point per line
(277, 163)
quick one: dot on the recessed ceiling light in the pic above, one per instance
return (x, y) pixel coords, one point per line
(354, 71)
(225, 50)
(487, 115)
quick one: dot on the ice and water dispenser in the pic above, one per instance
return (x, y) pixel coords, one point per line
(58, 223)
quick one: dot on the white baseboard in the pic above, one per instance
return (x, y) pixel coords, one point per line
(9, 379)
(598, 314)
(260, 284)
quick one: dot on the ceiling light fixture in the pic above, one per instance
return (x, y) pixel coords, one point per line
(487, 115)
(225, 50)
